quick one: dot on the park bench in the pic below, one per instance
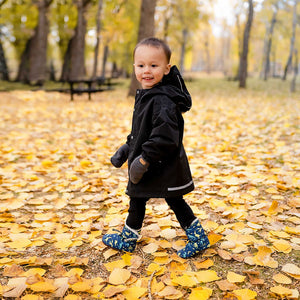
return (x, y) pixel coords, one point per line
(90, 86)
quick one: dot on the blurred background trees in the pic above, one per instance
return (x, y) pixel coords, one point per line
(71, 39)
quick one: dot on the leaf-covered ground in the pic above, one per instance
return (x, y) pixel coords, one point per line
(59, 194)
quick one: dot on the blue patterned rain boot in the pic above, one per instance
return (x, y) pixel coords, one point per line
(197, 240)
(125, 240)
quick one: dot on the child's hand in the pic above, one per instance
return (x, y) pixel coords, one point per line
(137, 169)
(120, 156)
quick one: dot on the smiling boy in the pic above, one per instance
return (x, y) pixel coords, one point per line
(157, 162)
(150, 65)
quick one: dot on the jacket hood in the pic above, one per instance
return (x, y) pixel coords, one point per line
(174, 87)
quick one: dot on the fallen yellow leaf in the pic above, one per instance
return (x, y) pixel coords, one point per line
(159, 270)
(291, 269)
(81, 286)
(281, 290)
(185, 280)
(169, 292)
(280, 278)
(273, 207)
(214, 238)
(168, 233)
(134, 292)
(72, 297)
(63, 244)
(282, 246)
(200, 293)
(114, 264)
(34, 271)
(73, 272)
(119, 276)
(234, 277)
(245, 294)
(20, 243)
(150, 248)
(112, 290)
(32, 297)
(43, 286)
(207, 276)
(203, 264)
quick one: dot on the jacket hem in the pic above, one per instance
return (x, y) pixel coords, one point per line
(165, 194)
(177, 188)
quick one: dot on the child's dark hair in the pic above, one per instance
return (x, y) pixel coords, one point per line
(155, 42)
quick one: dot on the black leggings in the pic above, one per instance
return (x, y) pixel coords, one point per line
(137, 209)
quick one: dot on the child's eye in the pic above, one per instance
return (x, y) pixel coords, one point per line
(153, 66)
(140, 66)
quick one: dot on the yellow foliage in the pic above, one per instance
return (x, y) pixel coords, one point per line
(60, 195)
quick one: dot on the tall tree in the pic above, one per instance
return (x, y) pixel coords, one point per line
(296, 64)
(63, 18)
(4, 73)
(33, 65)
(146, 29)
(238, 10)
(207, 51)
(292, 41)
(268, 40)
(244, 57)
(98, 31)
(186, 18)
(187, 12)
(225, 49)
(119, 33)
(166, 21)
(74, 67)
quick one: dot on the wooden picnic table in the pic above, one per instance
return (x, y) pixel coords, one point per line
(92, 85)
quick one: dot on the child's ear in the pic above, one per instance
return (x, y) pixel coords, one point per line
(168, 69)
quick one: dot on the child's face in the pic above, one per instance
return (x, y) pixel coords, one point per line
(150, 65)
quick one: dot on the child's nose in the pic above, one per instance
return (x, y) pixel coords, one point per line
(147, 69)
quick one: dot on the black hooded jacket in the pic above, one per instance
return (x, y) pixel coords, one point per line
(157, 132)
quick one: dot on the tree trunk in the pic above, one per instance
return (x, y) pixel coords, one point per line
(207, 53)
(4, 74)
(52, 71)
(98, 30)
(104, 60)
(33, 65)
(183, 47)
(266, 64)
(73, 67)
(292, 44)
(115, 71)
(146, 29)
(167, 19)
(244, 58)
(240, 46)
(274, 69)
(293, 83)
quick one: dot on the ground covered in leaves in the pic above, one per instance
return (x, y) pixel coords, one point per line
(59, 194)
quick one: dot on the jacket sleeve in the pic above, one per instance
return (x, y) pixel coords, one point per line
(128, 140)
(165, 136)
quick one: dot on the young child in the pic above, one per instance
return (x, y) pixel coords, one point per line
(157, 162)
